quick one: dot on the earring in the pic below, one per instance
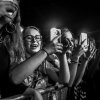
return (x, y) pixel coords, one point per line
(10, 28)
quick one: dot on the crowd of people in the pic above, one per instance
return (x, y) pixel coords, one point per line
(27, 64)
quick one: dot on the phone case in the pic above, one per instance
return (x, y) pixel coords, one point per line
(84, 40)
(54, 33)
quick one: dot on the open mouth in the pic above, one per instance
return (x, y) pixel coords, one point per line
(34, 46)
(10, 14)
(10, 11)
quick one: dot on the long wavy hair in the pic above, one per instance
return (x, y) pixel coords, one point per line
(14, 41)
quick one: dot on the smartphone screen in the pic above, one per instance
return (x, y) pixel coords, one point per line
(54, 32)
(83, 37)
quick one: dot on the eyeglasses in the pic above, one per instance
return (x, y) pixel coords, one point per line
(29, 38)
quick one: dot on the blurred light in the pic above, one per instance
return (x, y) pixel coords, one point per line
(21, 28)
(52, 22)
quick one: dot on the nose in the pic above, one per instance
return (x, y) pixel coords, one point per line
(33, 39)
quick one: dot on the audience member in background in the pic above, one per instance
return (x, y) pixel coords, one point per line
(92, 74)
(73, 53)
(79, 85)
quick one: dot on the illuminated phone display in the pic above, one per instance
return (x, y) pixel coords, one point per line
(54, 32)
(83, 37)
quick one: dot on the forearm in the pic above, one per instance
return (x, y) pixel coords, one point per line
(21, 71)
(80, 72)
(73, 70)
(64, 74)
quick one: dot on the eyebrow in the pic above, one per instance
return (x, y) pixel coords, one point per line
(31, 35)
(27, 36)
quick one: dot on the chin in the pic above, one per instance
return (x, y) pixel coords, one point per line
(35, 50)
(8, 20)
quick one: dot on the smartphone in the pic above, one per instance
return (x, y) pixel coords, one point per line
(84, 37)
(54, 32)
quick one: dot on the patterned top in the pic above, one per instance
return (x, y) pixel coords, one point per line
(38, 79)
(80, 91)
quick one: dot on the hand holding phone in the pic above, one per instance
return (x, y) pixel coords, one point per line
(84, 41)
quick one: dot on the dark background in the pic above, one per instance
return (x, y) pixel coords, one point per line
(77, 15)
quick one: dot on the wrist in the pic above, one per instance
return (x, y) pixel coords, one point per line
(62, 55)
(45, 50)
(86, 58)
(75, 59)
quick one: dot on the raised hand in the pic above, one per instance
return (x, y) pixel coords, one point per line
(66, 45)
(78, 50)
(91, 51)
(54, 46)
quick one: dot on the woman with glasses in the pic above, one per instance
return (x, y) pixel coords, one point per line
(33, 69)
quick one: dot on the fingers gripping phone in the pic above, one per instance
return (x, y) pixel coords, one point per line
(54, 32)
(84, 41)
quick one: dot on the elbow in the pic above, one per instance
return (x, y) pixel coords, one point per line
(70, 85)
(14, 79)
(65, 80)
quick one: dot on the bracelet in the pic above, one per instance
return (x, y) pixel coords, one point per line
(44, 49)
(74, 61)
(86, 58)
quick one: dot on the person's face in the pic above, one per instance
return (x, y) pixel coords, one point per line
(8, 10)
(32, 40)
(68, 36)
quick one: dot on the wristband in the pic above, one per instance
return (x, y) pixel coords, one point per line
(86, 58)
(44, 49)
(74, 61)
